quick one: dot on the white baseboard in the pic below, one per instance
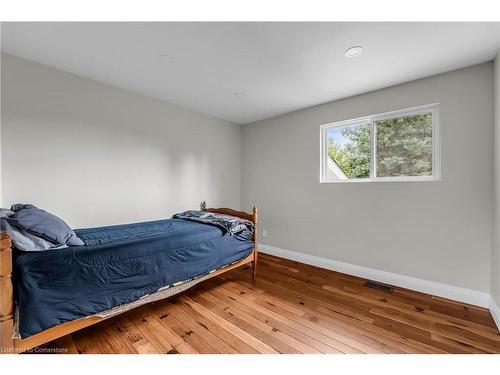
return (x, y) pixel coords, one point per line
(455, 293)
(495, 312)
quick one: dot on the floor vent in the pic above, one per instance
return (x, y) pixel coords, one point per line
(379, 286)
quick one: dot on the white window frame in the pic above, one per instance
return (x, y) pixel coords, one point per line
(436, 144)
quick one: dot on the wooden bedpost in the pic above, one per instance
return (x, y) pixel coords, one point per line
(6, 296)
(255, 237)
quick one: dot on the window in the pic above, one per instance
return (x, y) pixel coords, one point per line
(395, 146)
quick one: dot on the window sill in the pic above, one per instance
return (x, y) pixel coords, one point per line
(395, 179)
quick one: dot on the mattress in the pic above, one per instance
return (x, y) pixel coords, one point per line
(118, 265)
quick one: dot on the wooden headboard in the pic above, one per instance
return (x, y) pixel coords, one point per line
(229, 211)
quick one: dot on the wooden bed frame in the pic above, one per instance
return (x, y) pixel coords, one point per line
(8, 345)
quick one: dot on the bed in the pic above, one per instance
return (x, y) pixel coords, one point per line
(120, 267)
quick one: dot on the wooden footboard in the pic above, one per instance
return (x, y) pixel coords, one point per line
(9, 345)
(6, 295)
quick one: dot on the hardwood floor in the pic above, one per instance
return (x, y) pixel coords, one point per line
(292, 308)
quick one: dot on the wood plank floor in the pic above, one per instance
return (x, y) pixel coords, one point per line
(292, 308)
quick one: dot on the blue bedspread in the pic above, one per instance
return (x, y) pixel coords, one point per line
(118, 265)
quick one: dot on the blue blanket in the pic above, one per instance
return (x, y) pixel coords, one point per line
(119, 264)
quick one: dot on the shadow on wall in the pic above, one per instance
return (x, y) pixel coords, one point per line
(97, 155)
(99, 176)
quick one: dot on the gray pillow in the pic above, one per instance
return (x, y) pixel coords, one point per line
(42, 224)
(27, 242)
(4, 212)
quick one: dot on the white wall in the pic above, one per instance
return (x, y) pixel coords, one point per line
(98, 155)
(438, 231)
(1, 55)
(495, 256)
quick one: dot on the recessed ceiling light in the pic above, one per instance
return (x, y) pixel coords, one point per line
(239, 94)
(354, 51)
(165, 59)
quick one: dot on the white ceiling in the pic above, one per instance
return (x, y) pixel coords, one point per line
(280, 67)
